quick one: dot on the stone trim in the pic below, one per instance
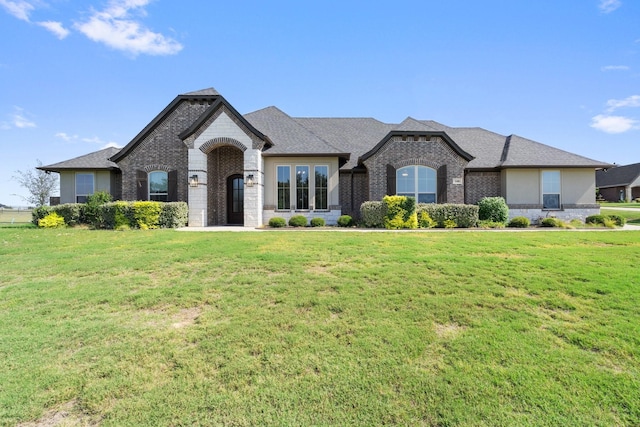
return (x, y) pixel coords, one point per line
(417, 161)
(224, 141)
(151, 168)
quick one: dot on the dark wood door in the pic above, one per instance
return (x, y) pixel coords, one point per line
(235, 200)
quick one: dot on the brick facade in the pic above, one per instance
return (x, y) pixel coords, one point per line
(222, 162)
(162, 150)
(424, 151)
(481, 184)
(354, 191)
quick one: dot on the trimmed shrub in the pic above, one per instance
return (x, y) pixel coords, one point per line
(147, 214)
(92, 210)
(174, 215)
(490, 224)
(317, 222)
(595, 219)
(550, 222)
(619, 221)
(449, 223)
(401, 212)
(73, 213)
(519, 222)
(493, 209)
(373, 214)
(38, 213)
(277, 222)
(465, 216)
(52, 220)
(345, 221)
(298, 221)
(424, 220)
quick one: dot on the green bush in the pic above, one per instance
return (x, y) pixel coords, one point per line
(52, 220)
(174, 215)
(73, 213)
(595, 219)
(401, 212)
(449, 223)
(38, 213)
(298, 221)
(317, 222)
(551, 222)
(277, 222)
(147, 214)
(619, 221)
(93, 211)
(345, 221)
(424, 220)
(373, 214)
(490, 224)
(519, 222)
(465, 216)
(493, 209)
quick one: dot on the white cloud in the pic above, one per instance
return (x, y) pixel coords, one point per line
(98, 141)
(615, 68)
(20, 9)
(613, 124)
(19, 120)
(55, 27)
(608, 6)
(115, 28)
(112, 144)
(66, 137)
(614, 104)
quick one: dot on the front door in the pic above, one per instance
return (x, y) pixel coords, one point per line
(235, 200)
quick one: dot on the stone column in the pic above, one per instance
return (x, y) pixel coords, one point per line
(253, 195)
(198, 195)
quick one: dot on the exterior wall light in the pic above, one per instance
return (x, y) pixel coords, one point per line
(250, 181)
(193, 181)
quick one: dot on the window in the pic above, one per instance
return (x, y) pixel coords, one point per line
(321, 184)
(158, 186)
(550, 189)
(302, 187)
(417, 181)
(84, 186)
(284, 187)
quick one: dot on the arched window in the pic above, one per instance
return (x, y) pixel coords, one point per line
(417, 181)
(159, 186)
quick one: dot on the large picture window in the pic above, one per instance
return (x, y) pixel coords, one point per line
(302, 187)
(321, 185)
(417, 181)
(551, 189)
(159, 186)
(84, 186)
(284, 187)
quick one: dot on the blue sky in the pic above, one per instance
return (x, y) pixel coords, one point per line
(76, 76)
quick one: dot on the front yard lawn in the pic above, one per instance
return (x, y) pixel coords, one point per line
(325, 328)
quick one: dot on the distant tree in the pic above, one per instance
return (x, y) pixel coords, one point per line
(40, 184)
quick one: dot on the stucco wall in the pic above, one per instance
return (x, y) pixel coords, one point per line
(523, 187)
(101, 182)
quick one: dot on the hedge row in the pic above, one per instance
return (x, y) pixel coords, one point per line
(380, 215)
(116, 215)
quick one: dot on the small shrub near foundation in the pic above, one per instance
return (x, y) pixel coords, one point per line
(53, 220)
(298, 221)
(277, 222)
(345, 221)
(317, 222)
(519, 222)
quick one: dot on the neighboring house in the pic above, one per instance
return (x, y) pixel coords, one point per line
(619, 183)
(245, 169)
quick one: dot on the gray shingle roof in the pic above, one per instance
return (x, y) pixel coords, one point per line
(618, 176)
(208, 91)
(96, 160)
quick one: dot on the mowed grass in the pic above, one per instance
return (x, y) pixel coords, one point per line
(319, 328)
(632, 217)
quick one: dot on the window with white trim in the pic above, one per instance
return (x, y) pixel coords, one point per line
(84, 186)
(416, 181)
(551, 190)
(284, 187)
(302, 187)
(158, 186)
(321, 183)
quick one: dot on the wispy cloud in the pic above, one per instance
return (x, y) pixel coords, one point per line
(55, 27)
(615, 68)
(17, 120)
(613, 124)
(117, 28)
(93, 140)
(20, 9)
(65, 136)
(608, 6)
(630, 102)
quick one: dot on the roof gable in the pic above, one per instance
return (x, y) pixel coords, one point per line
(618, 176)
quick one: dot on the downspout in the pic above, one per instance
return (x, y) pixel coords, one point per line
(352, 197)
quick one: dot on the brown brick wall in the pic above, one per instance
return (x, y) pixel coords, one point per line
(163, 150)
(481, 184)
(351, 205)
(426, 152)
(221, 164)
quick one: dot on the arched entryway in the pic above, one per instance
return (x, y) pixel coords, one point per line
(235, 200)
(224, 165)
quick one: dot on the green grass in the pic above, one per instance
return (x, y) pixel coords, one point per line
(632, 217)
(619, 205)
(319, 328)
(13, 216)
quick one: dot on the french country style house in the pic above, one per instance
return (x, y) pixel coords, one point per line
(245, 169)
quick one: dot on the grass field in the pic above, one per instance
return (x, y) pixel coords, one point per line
(319, 328)
(13, 216)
